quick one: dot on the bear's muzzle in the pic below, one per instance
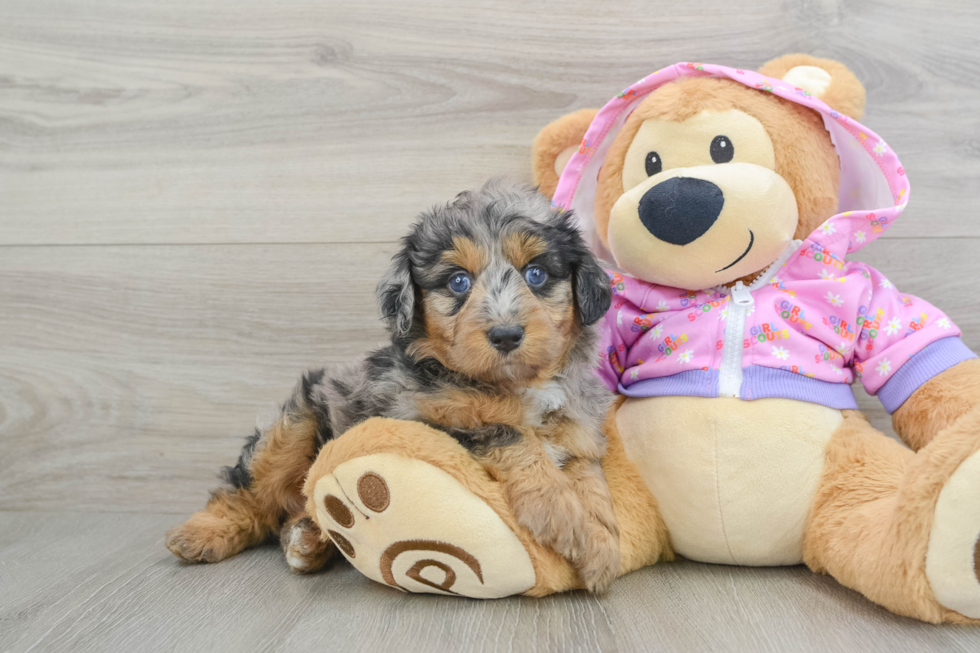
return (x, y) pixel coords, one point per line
(681, 210)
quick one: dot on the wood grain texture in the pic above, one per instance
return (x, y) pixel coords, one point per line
(133, 121)
(197, 198)
(113, 587)
(132, 373)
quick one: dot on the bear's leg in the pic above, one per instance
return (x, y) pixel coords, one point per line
(901, 527)
(643, 537)
(410, 508)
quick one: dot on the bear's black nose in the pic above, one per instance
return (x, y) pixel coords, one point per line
(681, 210)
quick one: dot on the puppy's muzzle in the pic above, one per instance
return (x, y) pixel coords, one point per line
(505, 338)
(681, 210)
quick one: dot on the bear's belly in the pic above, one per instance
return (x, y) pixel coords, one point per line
(734, 479)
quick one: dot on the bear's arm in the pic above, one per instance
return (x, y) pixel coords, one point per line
(938, 403)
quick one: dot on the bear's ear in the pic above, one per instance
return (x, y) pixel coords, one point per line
(554, 146)
(826, 79)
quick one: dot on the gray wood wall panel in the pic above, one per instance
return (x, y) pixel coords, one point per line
(124, 367)
(133, 121)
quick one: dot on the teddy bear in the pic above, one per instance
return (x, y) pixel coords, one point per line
(726, 202)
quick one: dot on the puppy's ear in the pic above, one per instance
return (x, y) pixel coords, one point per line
(592, 292)
(829, 80)
(554, 146)
(590, 283)
(396, 294)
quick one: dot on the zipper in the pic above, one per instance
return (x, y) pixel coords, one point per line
(730, 376)
(740, 301)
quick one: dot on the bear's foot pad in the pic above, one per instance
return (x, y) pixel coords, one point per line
(953, 559)
(410, 525)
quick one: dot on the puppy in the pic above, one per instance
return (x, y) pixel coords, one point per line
(490, 302)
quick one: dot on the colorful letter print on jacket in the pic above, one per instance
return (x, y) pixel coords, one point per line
(811, 325)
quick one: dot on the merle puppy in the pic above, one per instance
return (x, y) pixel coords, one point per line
(490, 303)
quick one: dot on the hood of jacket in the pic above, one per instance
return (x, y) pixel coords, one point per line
(873, 186)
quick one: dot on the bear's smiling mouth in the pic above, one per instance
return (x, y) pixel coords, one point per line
(751, 242)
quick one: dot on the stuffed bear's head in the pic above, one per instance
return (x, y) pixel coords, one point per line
(708, 181)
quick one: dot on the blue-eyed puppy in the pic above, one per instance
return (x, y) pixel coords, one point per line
(490, 302)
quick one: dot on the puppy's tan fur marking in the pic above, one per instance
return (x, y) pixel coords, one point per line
(467, 409)
(438, 331)
(573, 438)
(280, 467)
(467, 255)
(230, 522)
(471, 352)
(460, 342)
(542, 497)
(233, 521)
(521, 248)
(601, 558)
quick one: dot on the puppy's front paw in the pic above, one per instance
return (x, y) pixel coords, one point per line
(204, 538)
(553, 515)
(600, 564)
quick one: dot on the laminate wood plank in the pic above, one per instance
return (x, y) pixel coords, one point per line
(132, 121)
(112, 586)
(129, 375)
(122, 369)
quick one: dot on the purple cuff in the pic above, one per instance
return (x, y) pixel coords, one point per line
(937, 357)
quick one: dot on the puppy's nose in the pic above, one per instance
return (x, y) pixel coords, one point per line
(505, 338)
(681, 210)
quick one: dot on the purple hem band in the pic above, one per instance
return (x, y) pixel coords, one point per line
(757, 383)
(692, 383)
(760, 382)
(935, 358)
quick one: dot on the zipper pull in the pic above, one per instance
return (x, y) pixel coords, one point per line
(741, 295)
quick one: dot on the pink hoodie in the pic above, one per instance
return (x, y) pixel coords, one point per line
(809, 325)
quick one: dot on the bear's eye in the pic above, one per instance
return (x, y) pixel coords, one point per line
(654, 164)
(722, 149)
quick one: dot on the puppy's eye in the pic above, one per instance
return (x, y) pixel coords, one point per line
(459, 283)
(722, 149)
(535, 276)
(654, 164)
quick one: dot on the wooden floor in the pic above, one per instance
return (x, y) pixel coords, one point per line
(196, 200)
